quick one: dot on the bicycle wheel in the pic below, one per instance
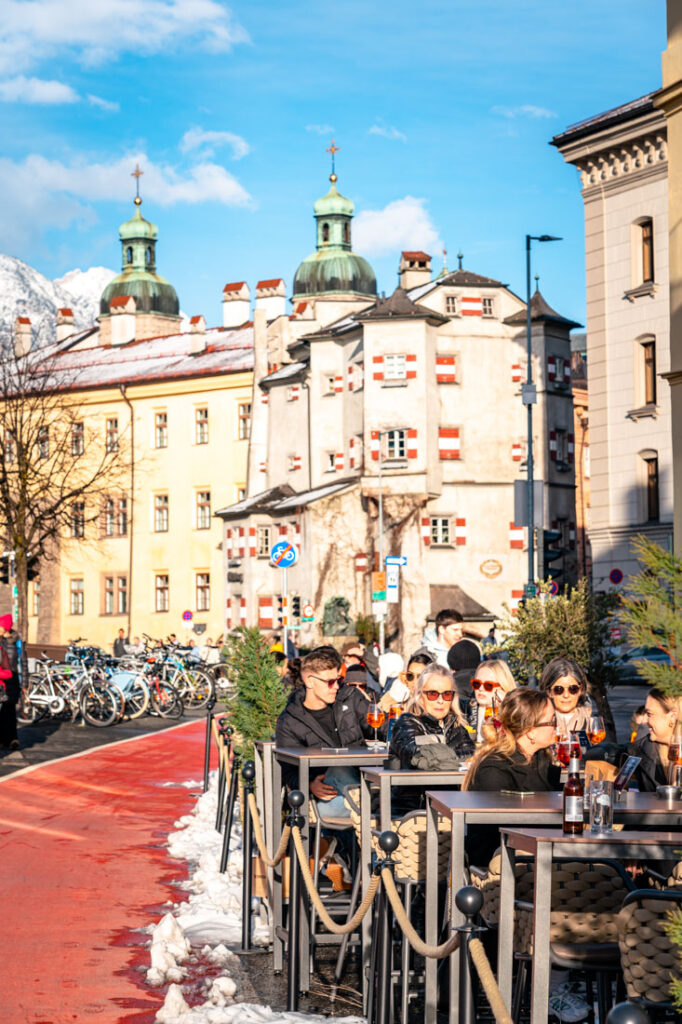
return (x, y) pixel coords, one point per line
(137, 698)
(198, 687)
(166, 700)
(120, 699)
(99, 707)
(27, 711)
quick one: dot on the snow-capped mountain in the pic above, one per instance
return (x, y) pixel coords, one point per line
(24, 291)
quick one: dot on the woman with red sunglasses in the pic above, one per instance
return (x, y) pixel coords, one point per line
(566, 683)
(491, 682)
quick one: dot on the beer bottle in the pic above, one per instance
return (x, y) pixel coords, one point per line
(574, 799)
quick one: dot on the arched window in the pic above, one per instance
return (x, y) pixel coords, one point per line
(649, 485)
(129, 254)
(325, 232)
(642, 251)
(149, 256)
(645, 371)
(346, 233)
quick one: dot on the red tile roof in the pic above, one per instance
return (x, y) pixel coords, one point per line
(66, 311)
(234, 286)
(301, 307)
(271, 283)
(120, 300)
(23, 320)
(196, 319)
(417, 255)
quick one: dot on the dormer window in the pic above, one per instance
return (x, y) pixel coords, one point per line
(149, 256)
(129, 254)
(346, 233)
(325, 232)
(451, 304)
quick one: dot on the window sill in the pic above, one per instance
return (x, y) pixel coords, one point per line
(394, 383)
(644, 411)
(437, 544)
(394, 463)
(640, 291)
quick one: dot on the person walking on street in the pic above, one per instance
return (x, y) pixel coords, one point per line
(120, 644)
(9, 680)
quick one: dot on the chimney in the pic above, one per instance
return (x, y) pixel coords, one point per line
(236, 304)
(197, 330)
(22, 336)
(271, 297)
(64, 324)
(122, 309)
(414, 270)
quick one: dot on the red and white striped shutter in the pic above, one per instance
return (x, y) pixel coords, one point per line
(297, 533)
(567, 372)
(411, 361)
(262, 467)
(294, 393)
(515, 536)
(374, 444)
(228, 544)
(517, 451)
(446, 370)
(282, 529)
(471, 305)
(426, 530)
(350, 376)
(571, 447)
(242, 542)
(242, 611)
(351, 453)
(338, 460)
(460, 532)
(264, 397)
(571, 534)
(265, 616)
(448, 443)
(378, 362)
(252, 541)
(361, 562)
(412, 450)
(338, 384)
(516, 596)
(228, 613)
(551, 368)
(517, 373)
(552, 445)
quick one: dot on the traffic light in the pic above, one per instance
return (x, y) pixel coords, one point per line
(32, 568)
(280, 610)
(296, 606)
(4, 568)
(550, 552)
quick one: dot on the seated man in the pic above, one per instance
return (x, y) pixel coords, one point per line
(320, 714)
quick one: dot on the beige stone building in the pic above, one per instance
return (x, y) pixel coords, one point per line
(622, 159)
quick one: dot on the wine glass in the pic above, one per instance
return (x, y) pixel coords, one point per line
(675, 745)
(375, 719)
(596, 733)
(563, 750)
(575, 748)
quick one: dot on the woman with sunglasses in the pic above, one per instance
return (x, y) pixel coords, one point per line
(491, 682)
(402, 688)
(566, 683)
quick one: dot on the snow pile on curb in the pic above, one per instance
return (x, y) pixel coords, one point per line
(176, 1011)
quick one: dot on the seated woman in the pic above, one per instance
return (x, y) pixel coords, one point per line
(566, 683)
(662, 713)
(491, 683)
(515, 760)
(402, 688)
(431, 735)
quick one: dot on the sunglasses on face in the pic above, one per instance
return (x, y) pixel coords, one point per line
(559, 691)
(542, 725)
(411, 676)
(437, 694)
(330, 682)
(485, 683)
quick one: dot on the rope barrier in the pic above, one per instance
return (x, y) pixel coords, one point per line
(418, 945)
(271, 862)
(485, 973)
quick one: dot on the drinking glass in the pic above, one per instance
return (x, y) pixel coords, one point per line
(576, 749)
(596, 733)
(675, 746)
(601, 806)
(563, 750)
(375, 719)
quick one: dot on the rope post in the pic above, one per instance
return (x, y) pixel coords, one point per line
(468, 901)
(248, 775)
(229, 813)
(226, 734)
(207, 748)
(294, 820)
(627, 1013)
(389, 842)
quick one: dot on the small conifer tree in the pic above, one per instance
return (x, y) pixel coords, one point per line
(257, 695)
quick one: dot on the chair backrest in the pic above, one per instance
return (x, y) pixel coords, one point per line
(648, 956)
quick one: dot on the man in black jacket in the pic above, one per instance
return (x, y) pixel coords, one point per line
(320, 714)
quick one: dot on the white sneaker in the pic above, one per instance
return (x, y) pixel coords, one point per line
(568, 1006)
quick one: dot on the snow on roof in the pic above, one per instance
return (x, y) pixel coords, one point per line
(284, 373)
(308, 497)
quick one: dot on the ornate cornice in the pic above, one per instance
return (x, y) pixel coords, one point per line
(627, 159)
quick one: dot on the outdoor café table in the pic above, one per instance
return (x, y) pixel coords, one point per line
(546, 845)
(387, 780)
(305, 758)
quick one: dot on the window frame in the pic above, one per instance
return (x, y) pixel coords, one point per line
(43, 443)
(159, 508)
(646, 241)
(77, 439)
(388, 441)
(77, 520)
(161, 592)
(488, 300)
(438, 525)
(202, 591)
(648, 347)
(121, 593)
(202, 501)
(111, 435)
(395, 366)
(109, 594)
(201, 429)
(243, 421)
(263, 540)
(451, 305)
(161, 429)
(77, 592)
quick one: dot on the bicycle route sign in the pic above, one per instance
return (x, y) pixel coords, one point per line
(283, 555)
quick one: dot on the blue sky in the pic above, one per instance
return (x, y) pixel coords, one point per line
(443, 111)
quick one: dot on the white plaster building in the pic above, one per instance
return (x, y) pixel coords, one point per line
(622, 159)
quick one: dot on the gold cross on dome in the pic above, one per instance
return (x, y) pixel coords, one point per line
(333, 149)
(137, 174)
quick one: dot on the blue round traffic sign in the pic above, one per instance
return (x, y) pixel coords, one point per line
(187, 616)
(553, 588)
(283, 554)
(616, 576)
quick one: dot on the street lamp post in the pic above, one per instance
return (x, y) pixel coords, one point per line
(382, 621)
(529, 398)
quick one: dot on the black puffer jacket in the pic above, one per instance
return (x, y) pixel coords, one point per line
(410, 734)
(650, 772)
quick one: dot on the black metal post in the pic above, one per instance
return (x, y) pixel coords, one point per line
(229, 814)
(207, 748)
(627, 1013)
(248, 775)
(226, 733)
(295, 820)
(468, 901)
(388, 841)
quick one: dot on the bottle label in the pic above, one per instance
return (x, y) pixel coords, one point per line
(573, 808)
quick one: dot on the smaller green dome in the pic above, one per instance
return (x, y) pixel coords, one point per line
(334, 204)
(138, 227)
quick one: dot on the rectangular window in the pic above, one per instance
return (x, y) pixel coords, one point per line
(160, 513)
(395, 367)
(330, 462)
(122, 595)
(647, 228)
(43, 442)
(36, 597)
(241, 493)
(330, 385)
(122, 517)
(78, 519)
(10, 447)
(201, 425)
(112, 434)
(487, 306)
(450, 304)
(76, 597)
(203, 586)
(77, 439)
(263, 541)
(394, 444)
(561, 446)
(109, 517)
(161, 589)
(108, 595)
(203, 516)
(652, 489)
(244, 415)
(440, 529)
(649, 375)
(161, 430)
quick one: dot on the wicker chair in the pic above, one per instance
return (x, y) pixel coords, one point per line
(648, 957)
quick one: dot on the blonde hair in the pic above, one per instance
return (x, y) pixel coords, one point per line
(414, 705)
(519, 712)
(501, 673)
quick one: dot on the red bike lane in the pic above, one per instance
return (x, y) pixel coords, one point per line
(83, 862)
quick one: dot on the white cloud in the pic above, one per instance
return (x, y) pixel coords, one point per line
(402, 224)
(208, 142)
(36, 90)
(108, 105)
(320, 129)
(95, 31)
(387, 131)
(526, 110)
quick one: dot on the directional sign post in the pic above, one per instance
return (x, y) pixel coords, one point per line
(283, 555)
(392, 582)
(400, 560)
